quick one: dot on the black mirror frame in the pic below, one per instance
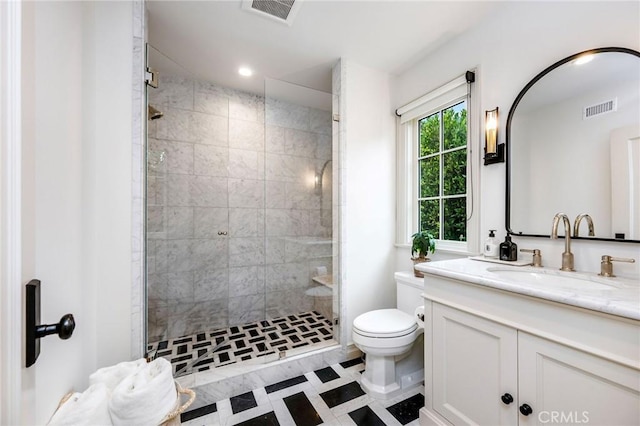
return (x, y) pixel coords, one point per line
(508, 137)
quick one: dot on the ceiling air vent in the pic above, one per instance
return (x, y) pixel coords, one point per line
(599, 109)
(280, 10)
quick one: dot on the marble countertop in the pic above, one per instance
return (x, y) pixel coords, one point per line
(616, 296)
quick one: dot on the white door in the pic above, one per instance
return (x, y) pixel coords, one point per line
(567, 386)
(625, 182)
(43, 210)
(474, 366)
(66, 200)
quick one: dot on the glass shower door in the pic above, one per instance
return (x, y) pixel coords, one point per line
(298, 222)
(192, 227)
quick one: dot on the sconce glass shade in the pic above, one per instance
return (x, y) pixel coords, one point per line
(493, 152)
(318, 183)
(491, 131)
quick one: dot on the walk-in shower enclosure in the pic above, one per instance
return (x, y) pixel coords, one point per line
(238, 219)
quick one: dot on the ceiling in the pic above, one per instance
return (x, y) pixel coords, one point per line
(601, 79)
(212, 39)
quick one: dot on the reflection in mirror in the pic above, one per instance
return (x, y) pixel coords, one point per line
(573, 143)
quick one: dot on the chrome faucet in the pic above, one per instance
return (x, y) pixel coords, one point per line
(567, 256)
(576, 225)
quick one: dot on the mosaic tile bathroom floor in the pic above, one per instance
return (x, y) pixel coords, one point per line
(202, 351)
(330, 396)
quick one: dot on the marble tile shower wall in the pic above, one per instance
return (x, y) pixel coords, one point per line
(234, 228)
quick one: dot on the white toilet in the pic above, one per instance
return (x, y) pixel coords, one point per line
(392, 340)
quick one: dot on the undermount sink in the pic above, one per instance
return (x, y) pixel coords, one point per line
(555, 278)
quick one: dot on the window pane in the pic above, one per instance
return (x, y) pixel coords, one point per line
(455, 125)
(430, 216)
(430, 177)
(429, 128)
(455, 219)
(455, 172)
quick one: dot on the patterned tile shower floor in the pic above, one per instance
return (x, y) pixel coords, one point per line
(206, 350)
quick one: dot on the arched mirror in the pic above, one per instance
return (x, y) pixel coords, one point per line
(573, 146)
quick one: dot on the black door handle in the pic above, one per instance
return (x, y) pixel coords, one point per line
(34, 331)
(64, 329)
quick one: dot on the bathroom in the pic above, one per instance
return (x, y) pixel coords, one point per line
(87, 247)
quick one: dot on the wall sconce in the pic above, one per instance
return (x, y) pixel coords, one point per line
(318, 178)
(493, 151)
(318, 183)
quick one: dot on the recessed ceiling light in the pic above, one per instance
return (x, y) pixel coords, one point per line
(245, 72)
(584, 59)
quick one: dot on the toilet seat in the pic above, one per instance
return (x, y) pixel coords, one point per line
(384, 323)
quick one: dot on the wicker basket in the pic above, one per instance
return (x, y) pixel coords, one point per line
(173, 417)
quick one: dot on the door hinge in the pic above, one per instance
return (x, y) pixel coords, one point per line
(151, 77)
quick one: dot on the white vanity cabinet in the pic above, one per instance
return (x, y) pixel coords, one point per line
(490, 353)
(561, 381)
(475, 361)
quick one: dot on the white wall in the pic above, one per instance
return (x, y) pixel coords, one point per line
(510, 48)
(77, 192)
(369, 187)
(110, 165)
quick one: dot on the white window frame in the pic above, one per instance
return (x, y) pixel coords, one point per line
(407, 164)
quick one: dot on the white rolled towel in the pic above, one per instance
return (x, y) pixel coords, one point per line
(90, 408)
(145, 397)
(113, 375)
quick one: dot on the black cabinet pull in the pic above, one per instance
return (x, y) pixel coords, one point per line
(525, 409)
(507, 398)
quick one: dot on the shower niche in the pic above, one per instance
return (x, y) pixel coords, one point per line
(239, 226)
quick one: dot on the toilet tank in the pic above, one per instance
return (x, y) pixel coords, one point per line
(409, 291)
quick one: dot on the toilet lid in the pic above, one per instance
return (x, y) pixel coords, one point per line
(384, 323)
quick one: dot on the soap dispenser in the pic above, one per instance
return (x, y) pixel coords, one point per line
(491, 245)
(508, 249)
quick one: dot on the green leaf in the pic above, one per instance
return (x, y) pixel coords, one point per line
(423, 243)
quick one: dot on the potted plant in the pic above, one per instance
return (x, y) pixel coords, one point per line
(423, 243)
